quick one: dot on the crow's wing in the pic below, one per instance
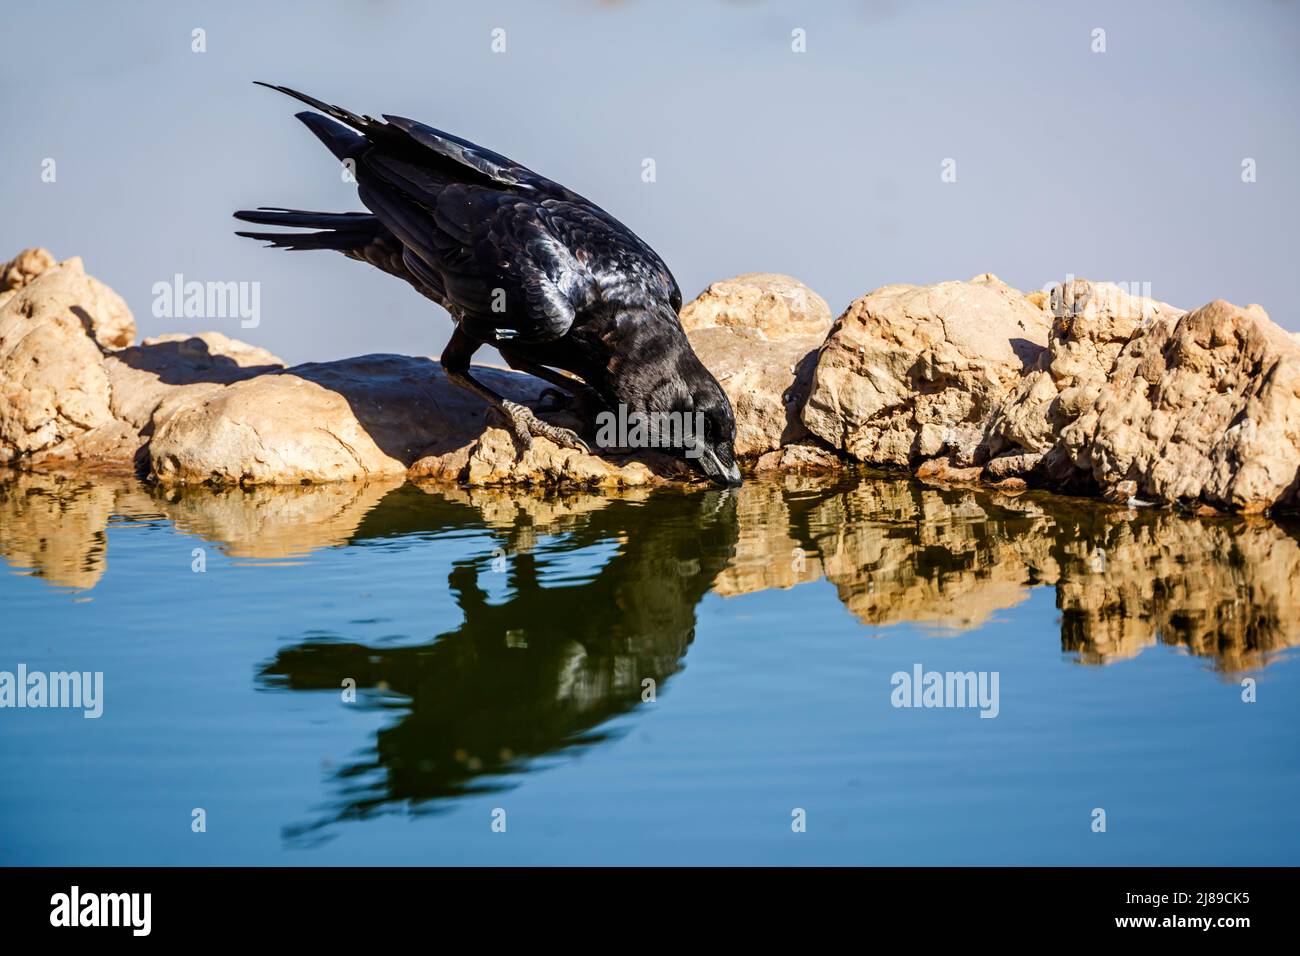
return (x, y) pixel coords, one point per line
(485, 251)
(513, 254)
(513, 263)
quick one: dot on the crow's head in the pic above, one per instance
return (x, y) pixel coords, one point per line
(657, 381)
(689, 414)
(713, 450)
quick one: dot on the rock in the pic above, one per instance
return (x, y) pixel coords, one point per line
(23, 268)
(1012, 465)
(54, 391)
(804, 457)
(776, 306)
(492, 459)
(272, 429)
(211, 350)
(208, 408)
(142, 376)
(910, 373)
(1091, 324)
(1085, 388)
(1205, 409)
(362, 418)
(103, 310)
(1011, 484)
(1120, 492)
(940, 471)
(759, 334)
(205, 407)
(1137, 400)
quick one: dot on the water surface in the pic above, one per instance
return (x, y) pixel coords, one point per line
(505, 646)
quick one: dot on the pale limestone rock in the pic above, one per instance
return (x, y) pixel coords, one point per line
(1012, 465)
(776, 306)
(54, 391)
(1091, 323)
(105, 313)
(492, 459)
(205, 350)
(143, 375)
(758, 334)
(373, 416)
(23, 268)
(1125, 397)
(1202, 409)
(273, 429)
(804, 457)
(940, 471)
(912, 372)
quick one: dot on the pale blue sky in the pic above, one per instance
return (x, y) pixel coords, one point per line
(1123, 165)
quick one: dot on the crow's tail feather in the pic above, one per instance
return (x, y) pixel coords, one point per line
(338, 139)
(341, 231)
(366, 125)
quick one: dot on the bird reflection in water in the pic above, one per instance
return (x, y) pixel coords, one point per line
(536, 673)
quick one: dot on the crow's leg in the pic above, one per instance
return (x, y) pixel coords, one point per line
(572, 388)
(520, 420)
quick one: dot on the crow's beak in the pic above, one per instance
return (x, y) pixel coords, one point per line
(726, 476)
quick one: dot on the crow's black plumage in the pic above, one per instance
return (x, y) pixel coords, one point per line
(521, 263)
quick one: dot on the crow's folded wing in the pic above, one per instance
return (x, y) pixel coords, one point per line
(512, 253)
(482, 160)
(485, 252)
(512, 264)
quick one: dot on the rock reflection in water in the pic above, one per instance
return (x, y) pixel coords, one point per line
(1227, 589)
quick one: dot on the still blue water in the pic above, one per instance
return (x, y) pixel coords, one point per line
(502, 646)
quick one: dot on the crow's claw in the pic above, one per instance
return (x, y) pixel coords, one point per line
(564, 437)
(524, 426)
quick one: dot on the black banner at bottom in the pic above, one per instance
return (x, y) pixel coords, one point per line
(368, 905)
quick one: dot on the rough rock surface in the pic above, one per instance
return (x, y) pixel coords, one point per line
(107, 316)
(53, 386)
(1085, 388)
(372, 416)
(1091, 323)
(759, 334)
(1135, 398)
(1205, 408)
(799, 457)
(912, 372)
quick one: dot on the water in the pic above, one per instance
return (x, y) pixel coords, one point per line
(501, 645)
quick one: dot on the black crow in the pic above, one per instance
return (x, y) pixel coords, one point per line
(524, 264)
